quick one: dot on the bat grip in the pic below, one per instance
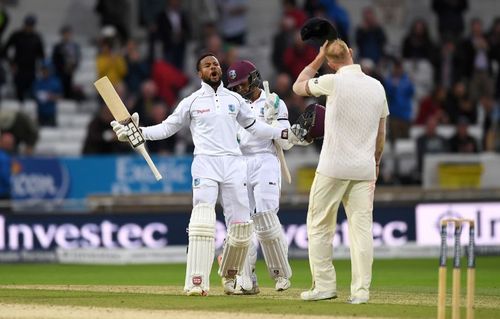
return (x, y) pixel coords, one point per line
(141, 149)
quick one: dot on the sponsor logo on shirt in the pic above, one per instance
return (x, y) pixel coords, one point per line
(201, 111)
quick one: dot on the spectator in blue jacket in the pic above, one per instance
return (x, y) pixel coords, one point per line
(47, 90)
(7, 147)
(370, 37)
(399, 90)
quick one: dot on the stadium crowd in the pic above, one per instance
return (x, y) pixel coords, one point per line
(450, 80)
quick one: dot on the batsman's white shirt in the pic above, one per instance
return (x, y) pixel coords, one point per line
(351, 122)
(214, 118)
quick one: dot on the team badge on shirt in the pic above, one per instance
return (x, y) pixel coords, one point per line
(196, 182)
(231, 108)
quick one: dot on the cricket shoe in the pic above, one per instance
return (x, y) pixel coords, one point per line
(282, 284)
(196, 291)
(229, 285)
(357, 301)
(314, 294)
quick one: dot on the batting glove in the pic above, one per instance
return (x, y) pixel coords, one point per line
(121, 130)
(271, 107)
(297, 135)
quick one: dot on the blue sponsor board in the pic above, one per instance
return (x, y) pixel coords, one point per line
(29, 232)
(76, 178)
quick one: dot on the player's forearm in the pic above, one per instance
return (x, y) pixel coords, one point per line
(300, 85)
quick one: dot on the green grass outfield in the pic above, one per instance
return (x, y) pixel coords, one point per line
(400, 289)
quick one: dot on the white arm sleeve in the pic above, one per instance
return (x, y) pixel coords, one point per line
(264, 131)
(283, 115)
(170, 125)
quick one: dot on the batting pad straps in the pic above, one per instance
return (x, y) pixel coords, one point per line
(235, 249)
(273, 244)
(201, 248)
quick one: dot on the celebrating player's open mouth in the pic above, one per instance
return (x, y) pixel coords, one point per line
(214, 76)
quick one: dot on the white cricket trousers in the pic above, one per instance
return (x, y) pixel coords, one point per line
(325, 197)
(224, 175)
(264, 182)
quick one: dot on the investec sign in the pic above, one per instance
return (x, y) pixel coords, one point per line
(485, 215)
(30, 236)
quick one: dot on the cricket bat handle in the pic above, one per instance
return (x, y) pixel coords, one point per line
(141, 149)
(284, 167)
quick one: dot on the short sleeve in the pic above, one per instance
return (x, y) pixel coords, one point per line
(322, 85)
(385, 110)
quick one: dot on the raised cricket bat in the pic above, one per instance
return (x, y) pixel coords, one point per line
(279, 151)
(121, 114)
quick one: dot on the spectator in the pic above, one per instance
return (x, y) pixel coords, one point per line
(418, 44)
(450, 15)
(147, 99)
(494, 45)
(47, 90)
(462, 142)
(169, 81)
(399, 90)
(233, 21)
(173, 32)
(28, 50)
(7, 146)
(110, 64)
(432, 106)
(100, 137)
(457, 103)
(201, 25)
(156, 115)
(296, 106)
(475, 59)
(339, 16)
(66, 57)
(291, 10)
(491, 124)
(282, 40)
(298, 56)
(283, 86)
(430, 143)
(448, 66)
(22, 127)
(137, 69)
(148, 11)
(115, 13)
(369, 68)
(370, 37)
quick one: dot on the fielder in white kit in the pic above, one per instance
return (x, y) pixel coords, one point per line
(214, 115)
(264, 180)
(354, 136)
